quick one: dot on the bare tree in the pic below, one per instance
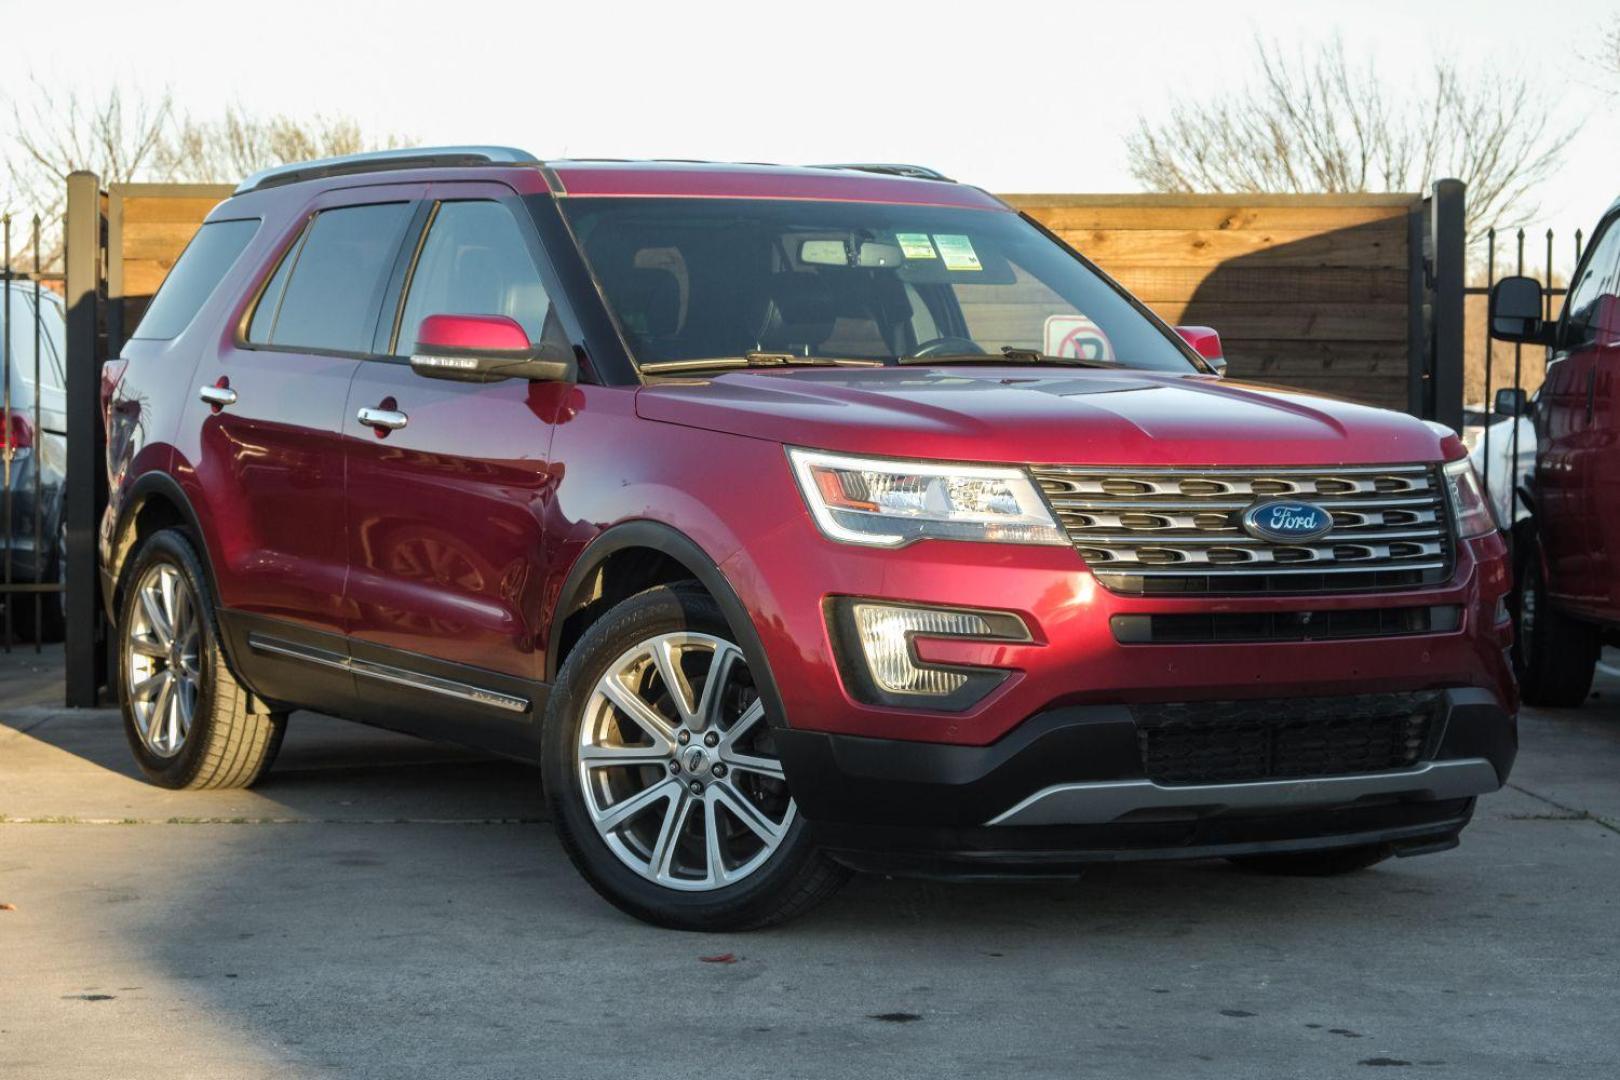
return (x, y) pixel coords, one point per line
(119, 136)
(123, 136)
(238, 143)
(1316, 121)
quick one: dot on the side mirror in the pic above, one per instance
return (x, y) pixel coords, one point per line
(486, 348)
(1207, 344)
(1516, 311)
(1511, 401)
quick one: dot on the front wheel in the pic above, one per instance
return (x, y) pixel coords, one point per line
(1554, 656)
(662, 774)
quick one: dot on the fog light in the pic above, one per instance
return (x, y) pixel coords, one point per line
(887, 670)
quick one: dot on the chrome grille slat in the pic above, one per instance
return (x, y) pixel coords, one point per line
(1390, 526)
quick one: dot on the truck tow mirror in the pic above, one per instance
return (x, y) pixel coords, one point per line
(1516, 311)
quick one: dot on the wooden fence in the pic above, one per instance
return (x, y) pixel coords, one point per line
(1307, 291)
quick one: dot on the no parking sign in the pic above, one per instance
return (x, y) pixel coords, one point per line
(1076, 337)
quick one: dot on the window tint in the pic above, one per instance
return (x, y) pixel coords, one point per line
(205, 261)
(20, 330)
(474, 262)
(330, 299)
(1592, 294)
(264, 316)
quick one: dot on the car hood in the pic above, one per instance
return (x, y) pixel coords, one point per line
(1079, 416)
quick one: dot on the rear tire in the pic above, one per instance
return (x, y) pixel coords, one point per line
(189, 722)
(673, 805)
(1329, 863)
(1554, 656)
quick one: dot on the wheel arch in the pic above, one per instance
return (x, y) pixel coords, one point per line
(156, 501)
(635, 555)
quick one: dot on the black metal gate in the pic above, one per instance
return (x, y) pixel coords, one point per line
(32, 433)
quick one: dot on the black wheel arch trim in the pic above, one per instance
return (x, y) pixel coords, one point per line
(666, 540)
(122, 546)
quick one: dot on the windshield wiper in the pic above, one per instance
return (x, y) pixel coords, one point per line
(753, 360)
(1011, 355)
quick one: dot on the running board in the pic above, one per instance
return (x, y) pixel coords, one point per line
(370, 669)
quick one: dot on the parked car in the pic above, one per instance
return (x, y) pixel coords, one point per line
(1567, 603)
(33, 458)
(794, 520)
(1506, 458)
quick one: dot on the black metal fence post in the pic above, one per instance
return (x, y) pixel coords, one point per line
(86, 473)
(1449, 256)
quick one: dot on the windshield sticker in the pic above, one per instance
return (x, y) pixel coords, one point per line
(1075, 337)
(957, 251)
(915, 245)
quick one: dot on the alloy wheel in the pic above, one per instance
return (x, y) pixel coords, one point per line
(678, 769)
(162, 649)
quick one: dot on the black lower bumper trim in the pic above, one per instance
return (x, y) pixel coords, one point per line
(1064, 851)
(852, 780)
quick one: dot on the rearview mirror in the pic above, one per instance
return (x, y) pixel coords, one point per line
(486, 348)
(1516, 311)
(1511, 401)
(1207, 344)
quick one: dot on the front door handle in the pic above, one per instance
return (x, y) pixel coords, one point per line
(383, 419)
(218, 396)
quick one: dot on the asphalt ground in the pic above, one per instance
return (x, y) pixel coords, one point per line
(390, 908)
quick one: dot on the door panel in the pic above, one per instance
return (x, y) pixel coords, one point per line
(270, 458)
(444, 512)
(1576, 433)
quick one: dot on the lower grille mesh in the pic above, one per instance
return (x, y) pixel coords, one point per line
(1213, 742)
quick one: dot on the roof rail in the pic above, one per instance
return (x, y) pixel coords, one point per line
(914, 172)
(380, 160)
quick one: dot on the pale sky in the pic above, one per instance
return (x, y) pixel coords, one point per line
(1012, 95)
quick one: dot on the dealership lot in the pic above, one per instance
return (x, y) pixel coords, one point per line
(384, 907)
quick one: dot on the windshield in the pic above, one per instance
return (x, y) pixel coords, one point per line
(694, 279)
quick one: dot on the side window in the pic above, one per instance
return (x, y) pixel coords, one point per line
(325, 294)
(264, 316)
(205, 261)
(1592, 295)
(22, 341)
(474, 262)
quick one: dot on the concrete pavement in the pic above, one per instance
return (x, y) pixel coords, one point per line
(383, 907)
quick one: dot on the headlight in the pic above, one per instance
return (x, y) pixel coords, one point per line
(1468, 506)
(886, 503)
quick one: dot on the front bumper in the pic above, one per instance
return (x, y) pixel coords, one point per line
(1069, 786)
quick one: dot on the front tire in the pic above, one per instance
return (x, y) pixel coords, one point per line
(1554, 656)
(189, 722)
(662, 775)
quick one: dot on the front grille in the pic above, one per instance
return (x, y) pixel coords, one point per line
(1176, 531)
(1223, 742)
(1233, 626)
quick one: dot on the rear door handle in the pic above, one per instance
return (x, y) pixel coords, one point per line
(383, 419)
(218, 396)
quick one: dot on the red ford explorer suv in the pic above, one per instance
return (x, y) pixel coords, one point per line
(794, 520)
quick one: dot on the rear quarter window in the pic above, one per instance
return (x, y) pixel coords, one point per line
(206, 260)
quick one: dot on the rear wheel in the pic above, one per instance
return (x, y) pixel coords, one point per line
(1554, 656)
(187, 719)
(1329, 863)
(663, 778)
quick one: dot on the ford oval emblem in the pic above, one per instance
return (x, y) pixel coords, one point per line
(1286, 522)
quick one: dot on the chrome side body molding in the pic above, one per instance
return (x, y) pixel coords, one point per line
(388, 673)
